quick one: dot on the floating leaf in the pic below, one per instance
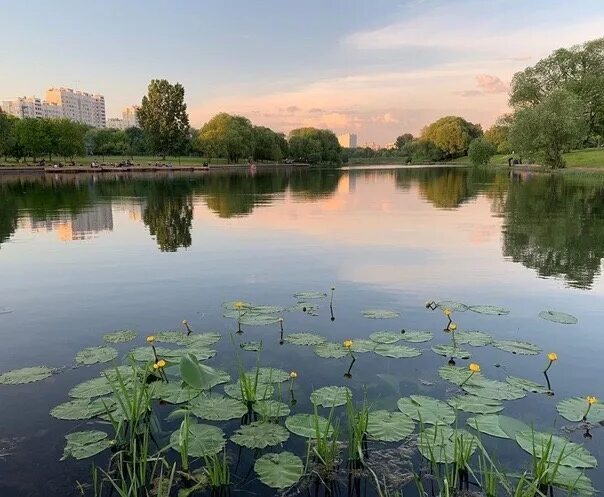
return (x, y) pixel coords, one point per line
(416, 336)
(380, 314)
(497, 425)
(389, 426)
(269, 375)
(558, 317)
(271, 408)
(202, 339)
(259, 435)
(489, 309)
(450, 304)
(517, 347)
(26, 375)
(5, 310)
(306, 425)
(385, 337)
(493, 389)
(527, 385)
(201, 352)
(252, 319)
(145, 354)
(396, 351)
(234, 305)
(573, 479)
(95, 387)
(215, 407)
(557, 449)
(440, 444)
(309, 295)
(202, 440)
(451, 351)
(457, 375)
(426, 409)
(362, 345)
(279, 470)
(307, 307)
(304, 338)
(251, 346)
(81, 408)
(93, 355)
(474, 338)
(475, 405)
(174, 392)
(121, 336)
(575, 408)
(263, 391)
(84, 444)
(331, 396)
(330, 350)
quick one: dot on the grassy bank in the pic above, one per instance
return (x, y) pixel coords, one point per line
(116, 159)
(592, 158)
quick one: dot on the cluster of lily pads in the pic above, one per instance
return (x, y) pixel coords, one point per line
(170, 368)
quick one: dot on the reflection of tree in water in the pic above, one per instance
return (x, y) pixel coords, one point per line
(555, 225)
(9, 213)
(169, 215)
(314, 184)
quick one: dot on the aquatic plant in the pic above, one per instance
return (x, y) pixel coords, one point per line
(552, 357)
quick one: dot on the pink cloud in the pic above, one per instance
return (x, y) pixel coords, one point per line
(490, 84)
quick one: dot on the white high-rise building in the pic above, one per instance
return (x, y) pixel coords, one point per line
(79, 106)
(23, 107)
(130, 116)
(348, 140)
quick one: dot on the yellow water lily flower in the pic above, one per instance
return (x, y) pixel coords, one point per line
(293, 375)
(552, 356)
(347, 344)
(452, 327)
(159, 364)
(150, 339)
(239, 305)
(591, 400)
(447, 311)
(475, 368)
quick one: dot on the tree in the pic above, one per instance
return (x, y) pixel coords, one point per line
(32, 137)
(402, 140)
(136, 141)
(268, 145)
(452, 134)
(7, 124)
(226, 136)
(163, 117)
(422, 152)
(549, 128)
(315, 145)
(498, 134)
(67, 137)
(480, 151)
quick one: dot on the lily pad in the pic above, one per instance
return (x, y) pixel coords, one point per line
(82, 408)
(497, 425)
(558, 317)
(573, 479)
(94, 355)
(380, 314)
(259, 435)
(201, 352)
(427, 410)
(304, 338)
(389, 426)
(309, 295)
(451, 351)
(527, 385)
(439, 444)
(251, 346)
(95, 387)
(174, 392)
(517, 347)
(263, 391)
(332, 396)
(306, 425)
(234, 305)
(473, 338)
(121, 336)
(279, 470)
(362, 345)
(450, 304)
(575, 408)
(330, 350)
(202, 441)
(84, 444)
(396, 351)
(458, 375)
(145, 354)
(271, 408)
(492, 310)
(306, 307)
(176, 337)
(416, 336)
(26, 375)
(269, 375)
(260, 319)
(493, 389)
(215, 407)
(385, 337)
(202, 339)
(558, 449)
(475, 405)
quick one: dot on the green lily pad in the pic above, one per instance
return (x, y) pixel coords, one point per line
(332, 396)
(121, 336)
(174, 392)
(263, 391)
(251, 346)
(259, 435)
(493, 389)
(271, 408)
(330, 350)
(573, 479)
(389, 426)
(94, 355)
(309, 295)
(304, 338)
(260, 319)
(234, 305)
(497, 425)
(215, 407)
(416, 336)
(145, 353)
(475, 405)
(558, 317)
(558, 449)
(202, 339)
(279, 470)
(492, 310)
(439, 444)
(306, 425)
(517, 347)
(176, 337)
(203, 440)
(95, 387)
(427, 410)
(269, 375)
(306, 307)
(450, 304)
(575, 408)
(84, 444)
(26, 375)
(82, 408)
(473, 338)
(451, 351)
(362, 345)
(385, 337)
(396, 351)
(527, 385)
(380, 314)
(201, 352)
(458, 375)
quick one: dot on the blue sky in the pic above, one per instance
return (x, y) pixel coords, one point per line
(377, 68)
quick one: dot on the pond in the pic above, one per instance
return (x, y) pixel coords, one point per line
(82, 256)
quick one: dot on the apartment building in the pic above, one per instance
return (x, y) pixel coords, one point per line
(79, 106)
(31, 107)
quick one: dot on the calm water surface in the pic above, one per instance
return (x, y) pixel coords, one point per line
(81, 256)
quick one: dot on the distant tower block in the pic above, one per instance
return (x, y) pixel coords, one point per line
(348, 140)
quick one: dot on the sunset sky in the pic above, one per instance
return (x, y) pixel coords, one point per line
(377, 68)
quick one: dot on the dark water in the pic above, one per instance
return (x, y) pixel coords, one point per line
(81, 256)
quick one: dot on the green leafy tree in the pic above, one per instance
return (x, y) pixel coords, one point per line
(7, 125)
(267, 144)
(315, 145)
(163, 117)
(422, 152)
(498, 134)
(137, 142)
(480, 151)
(402, 140)
(66, 137)
(33, 137)
(452, 134)
(550, 128)
(226, 136)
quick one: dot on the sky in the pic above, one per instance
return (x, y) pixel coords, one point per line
(376, 68)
